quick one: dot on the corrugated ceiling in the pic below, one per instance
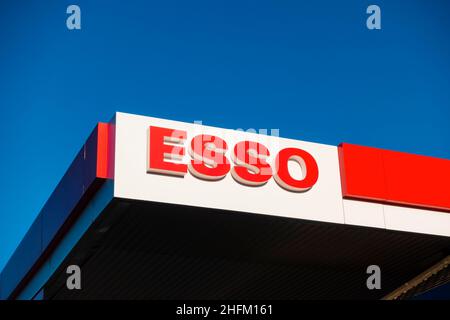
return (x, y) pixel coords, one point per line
(142, 250)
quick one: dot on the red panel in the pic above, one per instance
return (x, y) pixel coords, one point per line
(418, 180)
(394, 177)
(361, 172)
(105, 155)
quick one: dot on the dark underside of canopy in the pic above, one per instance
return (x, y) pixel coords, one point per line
(145, 250)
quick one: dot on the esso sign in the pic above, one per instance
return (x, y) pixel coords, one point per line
(208, 161)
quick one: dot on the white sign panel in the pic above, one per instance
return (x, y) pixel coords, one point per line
(157, 160)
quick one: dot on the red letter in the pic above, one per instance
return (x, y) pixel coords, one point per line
(251, 167)
(306, 162)
(159, 151)
(209, 161)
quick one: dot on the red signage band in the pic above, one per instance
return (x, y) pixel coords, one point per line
(394, 177)
(105, 151)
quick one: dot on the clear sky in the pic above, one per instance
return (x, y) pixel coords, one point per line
(309, 68)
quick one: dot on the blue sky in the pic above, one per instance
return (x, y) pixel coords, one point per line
(310, 68)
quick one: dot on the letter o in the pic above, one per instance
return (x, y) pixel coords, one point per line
(306, 162)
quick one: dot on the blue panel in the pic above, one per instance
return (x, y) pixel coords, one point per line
(43, 273)
(63, 200)
(26, 254)
(90, 159)
(67, 196)
(39, 295)
(439, 293)
(71, 188)
(90, 213)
